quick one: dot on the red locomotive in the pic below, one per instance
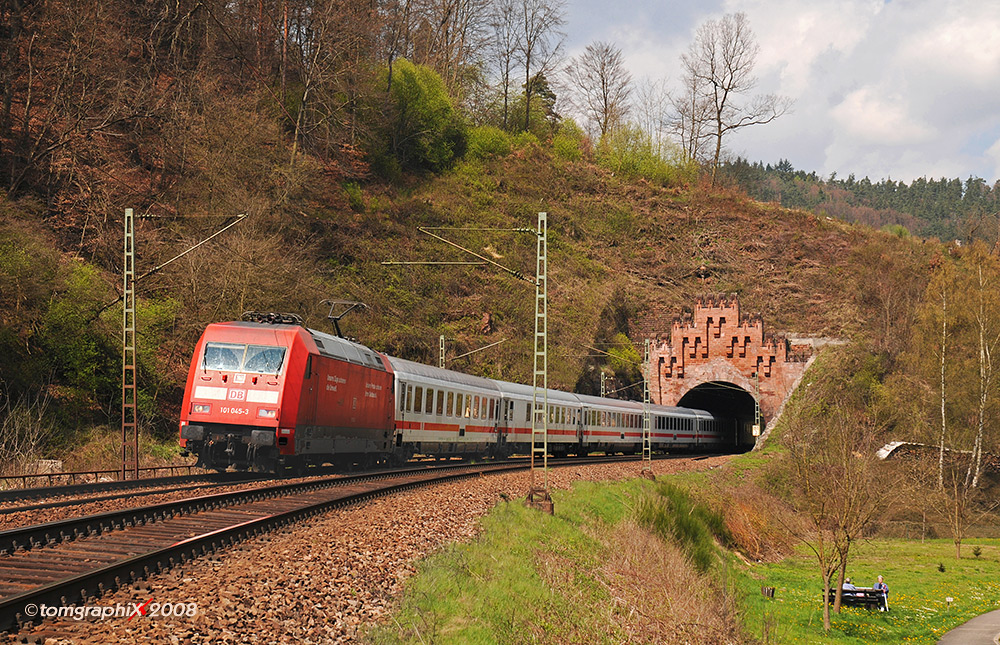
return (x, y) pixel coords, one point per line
(273, 396)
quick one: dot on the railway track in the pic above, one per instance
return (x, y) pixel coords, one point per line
(69, 490)
(71, 494)
(66, 562)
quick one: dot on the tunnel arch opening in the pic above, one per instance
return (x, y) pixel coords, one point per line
(725, 399)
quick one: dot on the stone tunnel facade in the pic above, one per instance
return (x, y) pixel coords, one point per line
(719, 344)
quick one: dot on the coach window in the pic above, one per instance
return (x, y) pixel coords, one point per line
(440, 406)
(409, 398)
(429, 408)
(450, 410)
(527, 413)
(475, 407)
(468, 406)
(419, 399)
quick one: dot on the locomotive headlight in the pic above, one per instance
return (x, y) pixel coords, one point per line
(267, 414)
(201, 408)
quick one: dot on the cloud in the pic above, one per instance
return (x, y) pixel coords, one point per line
(881, 88)
(796, 36)
(876, 116)
(993, 153)
(960, 45)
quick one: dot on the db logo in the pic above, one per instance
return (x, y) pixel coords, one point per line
(237, 395)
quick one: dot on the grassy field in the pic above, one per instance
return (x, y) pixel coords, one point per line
(590, 574)
(918, 591)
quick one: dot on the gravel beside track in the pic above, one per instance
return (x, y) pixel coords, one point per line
(321, 581)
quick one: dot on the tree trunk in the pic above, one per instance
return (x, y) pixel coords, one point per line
(826, 604)
(840, 586)
(944, 346)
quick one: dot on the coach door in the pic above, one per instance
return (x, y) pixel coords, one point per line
(401, 401)
(506, 421)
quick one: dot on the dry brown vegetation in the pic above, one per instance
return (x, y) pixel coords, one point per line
(660, 594)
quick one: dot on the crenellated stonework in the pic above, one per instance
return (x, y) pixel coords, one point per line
(719, 344)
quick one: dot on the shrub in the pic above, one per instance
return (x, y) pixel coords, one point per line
(898, 230)
(488, 141)
(426, 132)
(630, 153)
(567, 140)
(355, 197)
(522, 140)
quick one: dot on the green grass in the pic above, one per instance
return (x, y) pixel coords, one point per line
(919, 612)
(528, 577)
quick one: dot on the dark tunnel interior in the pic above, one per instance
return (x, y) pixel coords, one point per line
(725, 400)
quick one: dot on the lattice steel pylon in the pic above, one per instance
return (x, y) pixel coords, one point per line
(757, 429)
(647, 447)
(129, 421)
(538, 496)
(441, 352)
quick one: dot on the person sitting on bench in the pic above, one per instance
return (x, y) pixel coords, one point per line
(884, 588)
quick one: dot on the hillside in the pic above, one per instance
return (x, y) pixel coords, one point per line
(625, 257)
(338, 148)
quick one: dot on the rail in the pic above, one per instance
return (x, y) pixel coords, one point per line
(86, 476)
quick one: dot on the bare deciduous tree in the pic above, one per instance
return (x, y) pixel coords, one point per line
(960, 319)
(449, 36)
(691, 118)
(651, 107)
(505, 46)
(836, 480)
(539, 43)
(601, 85)
(719, 70)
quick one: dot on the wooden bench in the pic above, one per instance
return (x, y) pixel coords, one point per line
(861, 597)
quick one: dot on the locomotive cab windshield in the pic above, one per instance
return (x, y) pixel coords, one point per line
(236, 357)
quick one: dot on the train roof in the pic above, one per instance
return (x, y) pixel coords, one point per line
(410, 369)
(527, 392)
(623, 404)
(346, 350)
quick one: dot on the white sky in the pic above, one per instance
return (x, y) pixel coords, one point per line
(900, 89)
